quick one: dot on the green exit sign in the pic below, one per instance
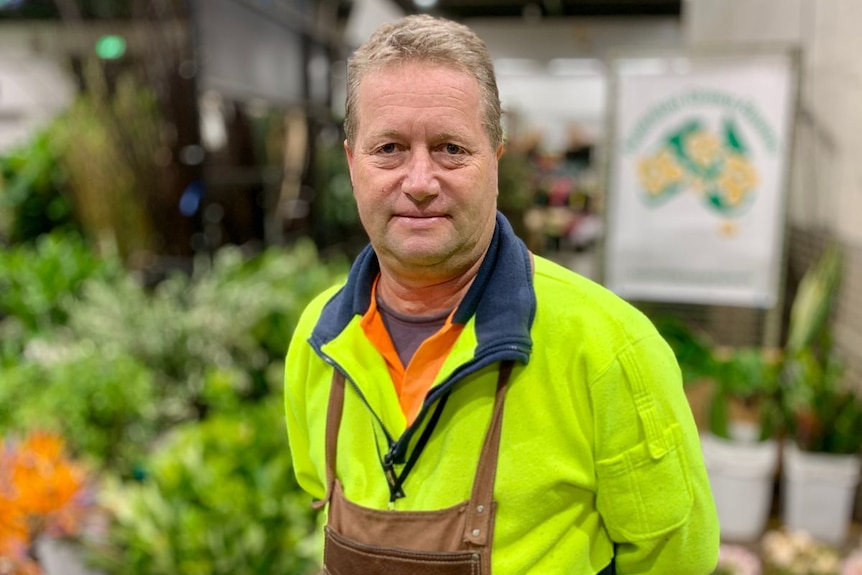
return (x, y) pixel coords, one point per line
(110, 47)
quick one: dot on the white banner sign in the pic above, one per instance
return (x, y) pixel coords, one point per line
(697, 177)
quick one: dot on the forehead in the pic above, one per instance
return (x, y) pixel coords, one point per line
(419, 81)
(418, 91)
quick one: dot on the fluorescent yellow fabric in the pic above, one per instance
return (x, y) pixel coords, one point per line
(598, 450)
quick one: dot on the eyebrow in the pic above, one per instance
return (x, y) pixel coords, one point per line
(445, 136)
(388, 133)
(449, 136)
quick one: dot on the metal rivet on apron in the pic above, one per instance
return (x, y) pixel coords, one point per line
(476, 557)
(480, 508)
(476, 533)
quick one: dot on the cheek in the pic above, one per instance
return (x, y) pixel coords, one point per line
(372, 181)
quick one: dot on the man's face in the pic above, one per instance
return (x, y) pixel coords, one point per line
(423, 169)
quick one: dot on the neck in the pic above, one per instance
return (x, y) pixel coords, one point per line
(423, 297)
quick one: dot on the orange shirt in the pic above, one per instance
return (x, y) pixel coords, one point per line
(413, 381)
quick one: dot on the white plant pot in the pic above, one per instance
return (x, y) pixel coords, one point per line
(60, 557)
(742, 478)
(818, 492)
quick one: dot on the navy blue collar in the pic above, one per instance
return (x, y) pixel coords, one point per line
(501, 297)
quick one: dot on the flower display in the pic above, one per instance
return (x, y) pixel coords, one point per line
(42, 491)
(797, 553)
(852, 564)
(737, 560)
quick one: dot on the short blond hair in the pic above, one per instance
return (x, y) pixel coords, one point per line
(425, 38)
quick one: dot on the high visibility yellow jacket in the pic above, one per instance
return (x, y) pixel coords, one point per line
(599, 454)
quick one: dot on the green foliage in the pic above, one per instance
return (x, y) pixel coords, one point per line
(336, 217)
(220, 498)
(514, 177)
(37, 279)
(92, 352)
(744, 380)
(813, 303)
(107, 144)
(693, 351)
(232, 314)
(32, 201)
(173, 392)
(821, 413)
(747, 379)
(102, 403)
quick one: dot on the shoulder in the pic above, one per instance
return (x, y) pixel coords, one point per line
(312, 312)
(565, 298)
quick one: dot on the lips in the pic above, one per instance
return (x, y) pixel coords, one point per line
(420, 216)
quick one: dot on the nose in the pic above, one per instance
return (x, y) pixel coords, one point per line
(420, 181)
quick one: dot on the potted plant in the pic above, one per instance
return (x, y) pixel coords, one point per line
(823, 416)
(733, 394)
(739, 445)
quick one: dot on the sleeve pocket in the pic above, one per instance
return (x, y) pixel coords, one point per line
(641, 495)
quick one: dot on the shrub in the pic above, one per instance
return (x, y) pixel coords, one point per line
(103, 403)
(37, 279)
(219, 498)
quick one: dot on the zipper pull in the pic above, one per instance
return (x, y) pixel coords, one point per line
(395, 491)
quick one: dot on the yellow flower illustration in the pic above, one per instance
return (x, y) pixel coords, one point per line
(737, 178)
(703, 148)
(658, 172)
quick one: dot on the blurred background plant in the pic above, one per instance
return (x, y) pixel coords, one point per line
(37, 279)
(822, 414)
(108, 143)
(219, 498)
(693, 350)
(734, 391)
(170, 393)
(32, 201)
(745, 404)
(86, 170)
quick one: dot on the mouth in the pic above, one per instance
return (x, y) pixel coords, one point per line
(420, 216)
(417, 222)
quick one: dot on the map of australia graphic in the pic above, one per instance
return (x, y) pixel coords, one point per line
(693, 159)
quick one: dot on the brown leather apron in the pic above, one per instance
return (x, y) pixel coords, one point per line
(452, 541)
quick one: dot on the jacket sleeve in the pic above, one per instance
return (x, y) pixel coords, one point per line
(652, 488)
(303, 404)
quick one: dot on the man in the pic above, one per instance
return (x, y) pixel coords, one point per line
(461, 405)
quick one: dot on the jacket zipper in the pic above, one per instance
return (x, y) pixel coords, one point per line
(397, 449)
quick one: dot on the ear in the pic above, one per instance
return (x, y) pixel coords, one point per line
(500, 150)
(349, 154)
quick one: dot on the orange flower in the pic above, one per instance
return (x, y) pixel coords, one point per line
(40, 491)
(43, 480)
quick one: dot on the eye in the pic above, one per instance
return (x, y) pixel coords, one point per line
(388, 148)
(453, 149)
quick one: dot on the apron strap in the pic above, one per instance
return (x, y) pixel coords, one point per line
(333, 423)
(479, 517)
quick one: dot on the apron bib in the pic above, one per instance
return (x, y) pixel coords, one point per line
(452, 541)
